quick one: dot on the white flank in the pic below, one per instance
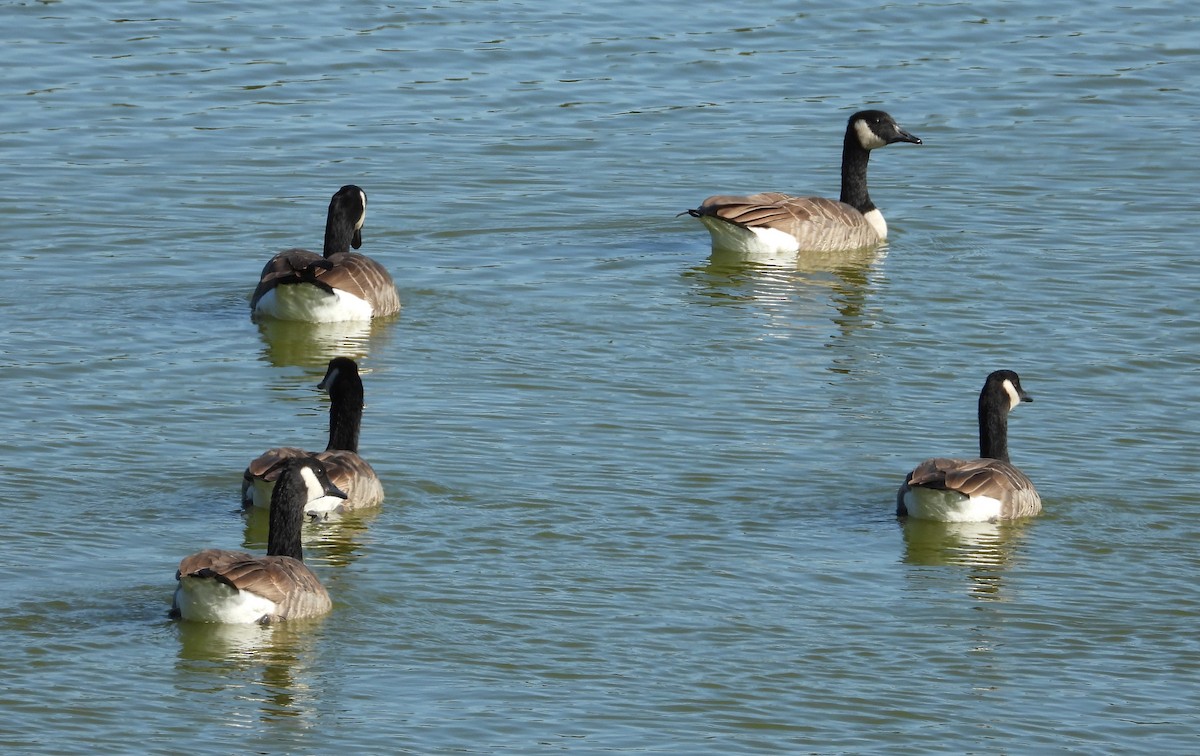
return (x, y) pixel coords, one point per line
(949, 506)
(210, 600)
(749, 241)
(310, 304)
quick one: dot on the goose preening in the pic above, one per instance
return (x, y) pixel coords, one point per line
(975, 490)
(297, 284)
(348, 471)
(776, 223)
(236, 587)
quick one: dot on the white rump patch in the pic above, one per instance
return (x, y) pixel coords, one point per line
(310, 304)
(210, 600)
(949, 506)
(749, 241)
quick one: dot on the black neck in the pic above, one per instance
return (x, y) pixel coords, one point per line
(854, 172)
(287, 515)
(339, 232)
(345, 413)
(993, 425)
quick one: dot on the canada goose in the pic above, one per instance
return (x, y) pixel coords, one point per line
(236, 587)
(975, 490)
(297, 284)
(348, 471)
(776, 223)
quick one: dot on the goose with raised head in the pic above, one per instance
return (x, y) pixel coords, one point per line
(989, 488)
(776, 223)
(347, 469)
(339, 285)
(236, 587)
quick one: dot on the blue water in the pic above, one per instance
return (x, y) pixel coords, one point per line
(639, 496)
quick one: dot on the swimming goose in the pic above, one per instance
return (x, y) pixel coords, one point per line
(236, 587)
(976, 490)
(297, 284)
(775, 223)
(348, 471)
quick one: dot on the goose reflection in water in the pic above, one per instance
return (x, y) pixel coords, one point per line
(310, 345)
(794, 290)
(265, 664)
(984, 549)
(336, 540)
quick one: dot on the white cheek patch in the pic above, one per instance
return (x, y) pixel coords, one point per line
(315, 489)
(363, 195)
(866, 136)
(1014, 398)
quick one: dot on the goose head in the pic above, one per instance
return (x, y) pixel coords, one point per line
(347, 210)
(875, 128)
(301, 480)
(1004, 388)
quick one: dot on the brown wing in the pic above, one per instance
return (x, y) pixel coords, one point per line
(354, 476)
(816, 222)
(209, 558)
(979, 477)
(289, 266)
(288, 582)
(364, 278)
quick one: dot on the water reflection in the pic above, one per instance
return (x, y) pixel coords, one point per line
(802, 262)
(777, 284)
(335, 540)
(984, 548)
(265, 664)
(289, 343)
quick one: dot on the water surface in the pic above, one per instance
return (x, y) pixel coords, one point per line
(640, 495)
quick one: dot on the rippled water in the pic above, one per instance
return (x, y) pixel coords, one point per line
(639, 496)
